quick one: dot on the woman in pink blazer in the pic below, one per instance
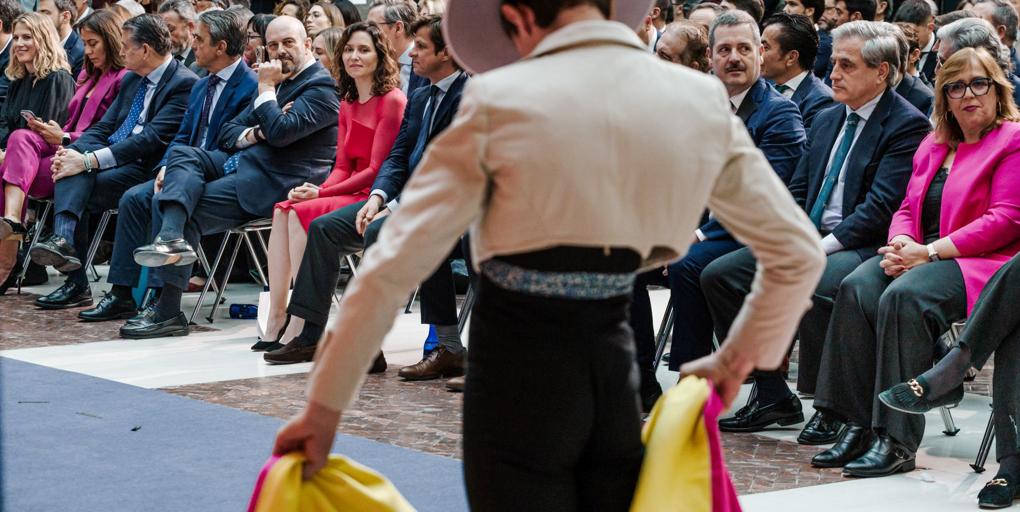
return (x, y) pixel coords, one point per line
(959, 222)
(25, 172)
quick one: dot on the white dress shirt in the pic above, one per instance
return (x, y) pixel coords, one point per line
(405, 68)
(104, 156)
(224, 75)
(833, 213)
(926, 53)
(793, 84)
(444, 86)
(738, 99)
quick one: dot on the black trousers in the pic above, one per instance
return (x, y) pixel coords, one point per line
(551, 414)
(333, 236)
(994, 327)
(883, 332)
(134, 229)
(727, 281)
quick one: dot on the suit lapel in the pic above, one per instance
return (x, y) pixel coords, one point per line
(288, 87)
(226, 98)
(750, 104)
(863, 150)
(803, 89)
(171, 70)
(446, 106)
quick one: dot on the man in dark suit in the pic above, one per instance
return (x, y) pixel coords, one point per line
(115, 154)
(845, 12)
(395, 20)
(776, 129)
(851, 180)
(790, 42)
(9, 9)
(219, 97)
(180, 18)
(355, 227)
(63, 13)
(909, 87)
(1003, 17)
(264, 153)
(919, 14)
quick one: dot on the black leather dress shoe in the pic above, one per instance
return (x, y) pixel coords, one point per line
(912, 397)
(756, 416)
(820, 429)
(70, 295)
(149, 328)
(851, 444)
(110, 307)
(56, 252)
(165, 252)
(1000, 492)
(650, 390)
(885, 457)
(291, 353)
(146, 315)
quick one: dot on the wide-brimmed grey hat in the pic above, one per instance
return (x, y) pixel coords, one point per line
(474, 33)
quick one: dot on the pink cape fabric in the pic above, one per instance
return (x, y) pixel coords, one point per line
(724, 496)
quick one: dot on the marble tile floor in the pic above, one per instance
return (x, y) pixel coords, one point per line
(770, 470)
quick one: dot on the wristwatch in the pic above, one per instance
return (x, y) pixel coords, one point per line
(65, 140)
(933, 255)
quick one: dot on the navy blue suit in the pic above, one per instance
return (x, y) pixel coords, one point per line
(136, 155)
(299, 147)
(75, 53)
(927, 71)
(811, 97)
(137, 207)
(914, 91)
(416, 82)
(1015, 80)
(5, 83)
(822, 59)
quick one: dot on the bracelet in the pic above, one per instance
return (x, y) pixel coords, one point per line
(88, 162)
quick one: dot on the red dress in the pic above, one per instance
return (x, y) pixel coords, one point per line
(365, 136)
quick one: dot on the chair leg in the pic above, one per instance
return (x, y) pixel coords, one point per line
(255, 258)
(226, 280)
(665, 329)
(410, 302)
(94, 246)
(465, 310)
(986, 446)
(947, 420)
(40, 222)
(211, 271)
(352, 264)
(202, 260)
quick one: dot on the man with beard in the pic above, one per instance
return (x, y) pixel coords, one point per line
(179, 16)
(63, 13)
(265, 153)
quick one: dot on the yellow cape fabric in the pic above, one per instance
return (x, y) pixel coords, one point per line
(343, 485)
(677, 470)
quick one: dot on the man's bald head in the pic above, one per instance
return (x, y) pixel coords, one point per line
(287, 41)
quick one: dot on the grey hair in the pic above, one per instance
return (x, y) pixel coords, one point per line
(901, 39)
(225, 26)
(1004, 14)
(734, 18)
(975, 33)
(397, 10)
(878, 44)
(183, 8)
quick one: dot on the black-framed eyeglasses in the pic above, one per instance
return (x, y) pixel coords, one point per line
(978, 87)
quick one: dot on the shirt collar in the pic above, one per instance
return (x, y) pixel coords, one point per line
(308, 63)
(738, 99)
(868, 108)
(405, 58)
(795, 82)
(64, 41)
(228, 71)
(157, 73)
(445, 84)
(930, 45)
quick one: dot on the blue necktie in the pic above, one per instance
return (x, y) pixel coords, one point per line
(834, 170)
(426, 128)
(203, 121)
(129, 123)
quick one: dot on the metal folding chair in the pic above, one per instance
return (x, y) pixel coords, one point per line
(40, 222)
(243, 235)
(104, 221)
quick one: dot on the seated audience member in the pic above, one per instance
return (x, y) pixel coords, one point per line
(321, 16)
(684, 43)
(814, 9)
(264, 153)
(704, 14)
(1003, 17)
(324, 46)
(294, 8)
(219, 97)
(791, 42)
(910, 87)
(202, 6)
(26, 170)
(41, 83)
(115, 154)
(352, 229)
(851, 179)
(776, 129)
(845, 11)
(756, 8)
(84, 8)
(913, 50)
(180, 18)
(395, 17)
(919, 14)
(256, 36)
(63, 13)
(959, 223)
(949, 17)
(9, 9)
(242, 13)
(977, 33)
(371, 110)
(349, 11)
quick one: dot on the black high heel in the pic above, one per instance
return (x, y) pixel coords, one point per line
(269, 346)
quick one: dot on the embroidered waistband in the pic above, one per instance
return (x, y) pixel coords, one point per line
(560, 285)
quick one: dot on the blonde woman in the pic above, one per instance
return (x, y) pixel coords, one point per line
(324, 46)
(41, 87)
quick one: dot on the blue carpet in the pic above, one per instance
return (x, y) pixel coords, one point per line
(68, 444)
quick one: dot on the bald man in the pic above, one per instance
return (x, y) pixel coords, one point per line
(265, 153)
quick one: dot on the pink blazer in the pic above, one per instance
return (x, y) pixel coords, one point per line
(980, 202)
(82, 112)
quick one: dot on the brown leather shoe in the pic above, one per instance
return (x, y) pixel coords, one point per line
(456, 384)
(439, 363)
(291, 353)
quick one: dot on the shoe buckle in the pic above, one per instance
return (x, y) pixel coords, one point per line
(916, 387)
(998, 482)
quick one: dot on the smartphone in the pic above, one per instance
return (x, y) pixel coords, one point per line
(260, 54)
(29, 115)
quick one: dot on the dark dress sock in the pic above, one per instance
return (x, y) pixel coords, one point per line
(169, 304)
(174, 217)
(64, 225)
(310, 334)
(121, 292)
(771, 387)
(948, 374)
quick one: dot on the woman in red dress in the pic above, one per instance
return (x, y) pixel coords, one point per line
(371, 110)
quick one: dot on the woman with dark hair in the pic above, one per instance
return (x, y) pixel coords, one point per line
(293, 8)
(370, 116)
(256, 31)
(41, 85)
(321, 16)
(349, 11)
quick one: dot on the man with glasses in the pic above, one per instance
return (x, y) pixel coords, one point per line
(395, 17)
(115, 154)
(976, 33)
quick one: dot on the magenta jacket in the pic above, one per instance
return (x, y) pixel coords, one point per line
(82, 112)
(980, 202)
